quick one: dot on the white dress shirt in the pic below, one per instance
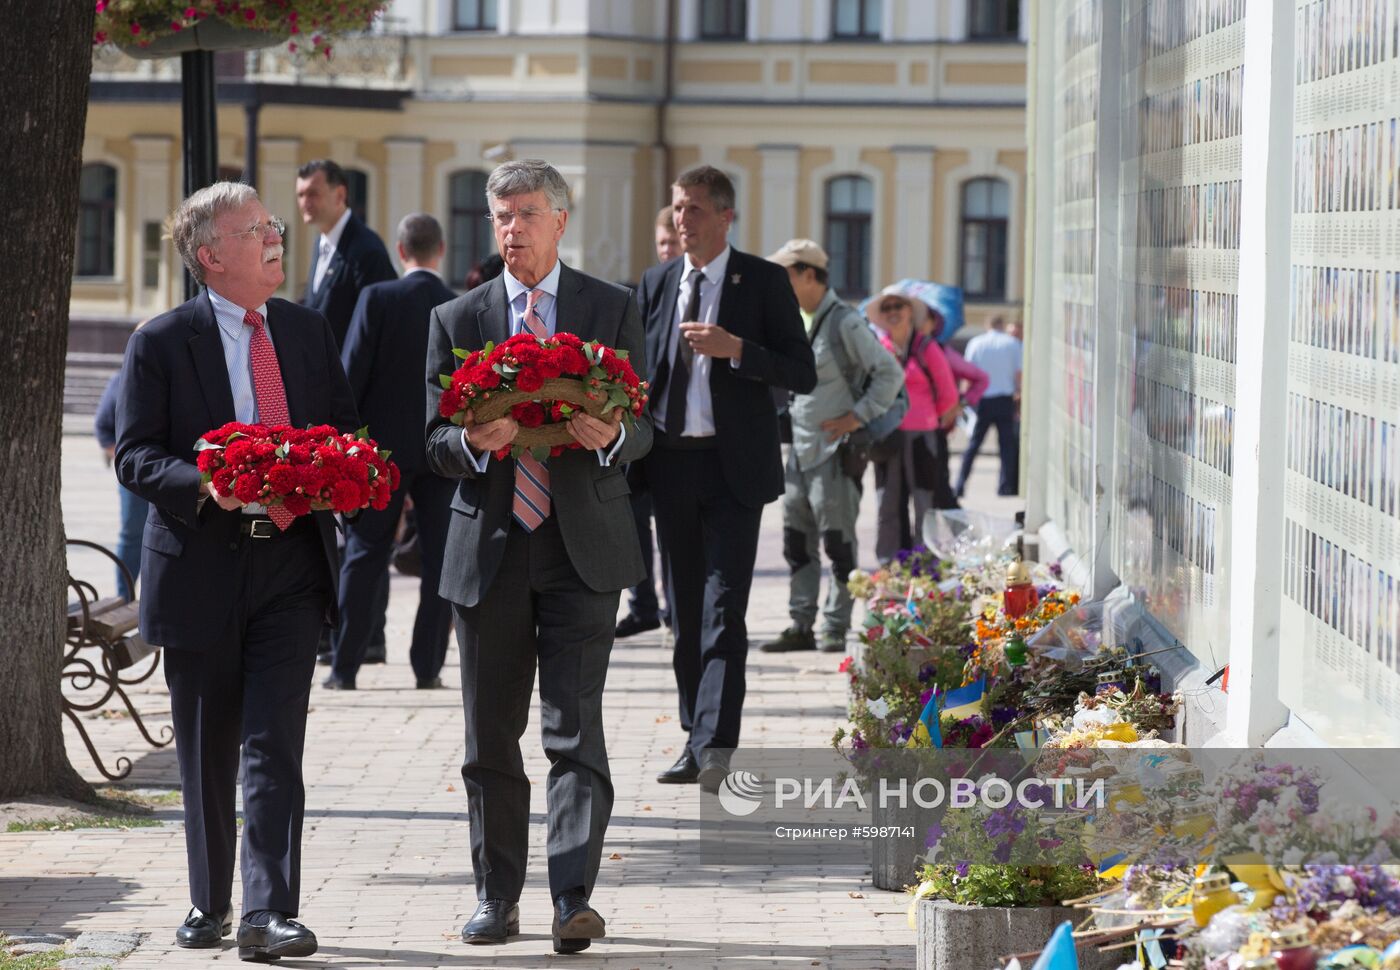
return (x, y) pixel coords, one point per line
(237, 338)
(699, 408)
(329, 242)
(999, 354)
(518, 297)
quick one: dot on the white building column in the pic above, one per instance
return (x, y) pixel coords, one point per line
(1254, 711)
(913, 207)
(778, 169)
(404, 179)
(278, 160)
(153, 193)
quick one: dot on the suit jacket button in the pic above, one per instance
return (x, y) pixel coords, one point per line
(233, 546)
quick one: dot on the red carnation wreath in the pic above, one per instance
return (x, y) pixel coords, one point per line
(314, 469)
(542, 382)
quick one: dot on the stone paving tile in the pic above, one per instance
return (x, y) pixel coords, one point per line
(386, 867)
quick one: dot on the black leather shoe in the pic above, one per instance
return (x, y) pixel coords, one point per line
(335, 683)
(793, 638)
(632, 624)
(429, 683)
(324, 659)
(200, 931)
(281, 937)
(375, 654)
(714, 768)
(576, 924)
(493, 921)
(685, 771)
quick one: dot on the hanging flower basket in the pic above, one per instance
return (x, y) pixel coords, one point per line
(162, 28)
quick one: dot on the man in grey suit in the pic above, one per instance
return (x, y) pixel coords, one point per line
(537, 555)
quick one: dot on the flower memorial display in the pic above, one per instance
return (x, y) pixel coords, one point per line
(305, 23)
(309, 470)
(542, 382)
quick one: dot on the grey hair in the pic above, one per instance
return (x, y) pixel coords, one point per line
(526, 175)
(716, 184)
(420, 235)
(192, 223)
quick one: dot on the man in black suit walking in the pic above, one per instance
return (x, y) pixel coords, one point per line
(236, 594)
(723, 330)
(537, 555)
(349, 256)
(383, 356)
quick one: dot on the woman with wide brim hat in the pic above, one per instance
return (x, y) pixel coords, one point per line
(915, 468)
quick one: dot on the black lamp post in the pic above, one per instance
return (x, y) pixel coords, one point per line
(200, 129)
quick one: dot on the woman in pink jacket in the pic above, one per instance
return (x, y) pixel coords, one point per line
(917, 470)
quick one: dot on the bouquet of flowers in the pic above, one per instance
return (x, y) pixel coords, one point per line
(316, 469)
(542, 382)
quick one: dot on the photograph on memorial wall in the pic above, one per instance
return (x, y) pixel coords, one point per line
(1070, 487)
(1338, 669)
(1179, 232)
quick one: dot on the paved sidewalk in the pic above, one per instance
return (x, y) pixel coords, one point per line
(386, 867)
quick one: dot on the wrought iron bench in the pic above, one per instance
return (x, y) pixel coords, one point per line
(103, 656)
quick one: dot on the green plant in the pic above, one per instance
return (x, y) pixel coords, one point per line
(979, 884)
(139, 22)
(84, 821)
(31, 961)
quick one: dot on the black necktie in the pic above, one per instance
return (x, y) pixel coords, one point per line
(680, 366)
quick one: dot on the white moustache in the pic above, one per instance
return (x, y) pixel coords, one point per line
(271, 253)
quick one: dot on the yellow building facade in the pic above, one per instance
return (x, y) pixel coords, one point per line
(893, 131)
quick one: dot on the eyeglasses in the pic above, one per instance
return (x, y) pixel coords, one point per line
(261, 229)
(529, 216)
(891, 307)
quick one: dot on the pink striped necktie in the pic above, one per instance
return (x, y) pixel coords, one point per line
(268, 393)
(532, 503)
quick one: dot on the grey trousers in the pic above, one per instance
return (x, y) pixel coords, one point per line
(820, 506)
(910, 477)
(537, 612)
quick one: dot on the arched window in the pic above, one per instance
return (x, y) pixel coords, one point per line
(856, 19)
(357, 193)
(723, 19)
(994, 20)
(97, 221)
(474, 15)
(986, 206)
(468, 229)
(850, 201)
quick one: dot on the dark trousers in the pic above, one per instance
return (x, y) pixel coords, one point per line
(250, 689)
(641, 601)
(369, 544)
(537, 611)
(999, 411)
(709, 541)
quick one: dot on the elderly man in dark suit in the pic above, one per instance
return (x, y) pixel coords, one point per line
(383, 356)
(537, 555)
(349, 256)
(723, 330)
(236, 594)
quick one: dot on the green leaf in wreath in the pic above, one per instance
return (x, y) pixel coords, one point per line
(622, 354)
(446, 381)
(456, 419)
(540, 452)
(490, 346)
(460, 354)
(362, 433)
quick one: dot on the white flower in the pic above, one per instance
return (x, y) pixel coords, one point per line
(879, 707)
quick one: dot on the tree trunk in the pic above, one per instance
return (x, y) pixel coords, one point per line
(47, 55)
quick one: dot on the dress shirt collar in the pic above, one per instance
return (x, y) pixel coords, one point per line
(550, 284)
(229, 315)
(424, 269)
(337, 230)
(713, 270)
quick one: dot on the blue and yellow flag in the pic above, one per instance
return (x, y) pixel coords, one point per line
(966, 700)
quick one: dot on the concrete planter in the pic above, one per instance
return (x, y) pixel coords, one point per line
(954, 937)
(892, 860)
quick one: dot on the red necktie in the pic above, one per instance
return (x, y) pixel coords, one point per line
(268, 393)
(531, 506)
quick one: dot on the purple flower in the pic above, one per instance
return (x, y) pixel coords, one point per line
(1002, 716)
(858, 742)
(935, 833)
(1002, 853)
(961, 869)
(924, 698)
(926, 673)
(1057, 570)
(967, 650)
(1004, 821)
(900, 732)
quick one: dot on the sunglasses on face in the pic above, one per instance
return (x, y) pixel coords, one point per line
(891, 307)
